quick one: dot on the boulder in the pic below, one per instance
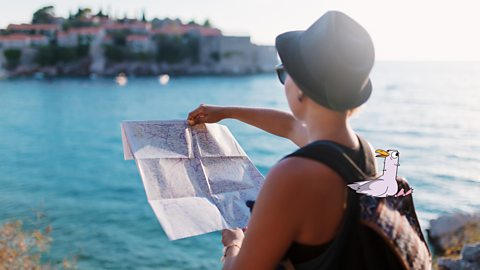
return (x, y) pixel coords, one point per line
(449, 233)
(470, 259)
(471, 253)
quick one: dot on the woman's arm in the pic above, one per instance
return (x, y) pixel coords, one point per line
(275, 222)
(276, 122)
(289, 196)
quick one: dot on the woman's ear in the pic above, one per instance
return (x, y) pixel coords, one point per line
(300, 96)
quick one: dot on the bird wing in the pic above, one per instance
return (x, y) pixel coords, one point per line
(374, 188)
(356, 185)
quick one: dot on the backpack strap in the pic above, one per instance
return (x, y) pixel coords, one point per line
(335, 157)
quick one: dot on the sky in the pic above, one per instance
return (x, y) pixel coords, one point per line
(407, 30)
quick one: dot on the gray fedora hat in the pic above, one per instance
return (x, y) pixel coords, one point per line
(330, 61)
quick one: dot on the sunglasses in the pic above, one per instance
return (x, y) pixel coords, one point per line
(281, 72)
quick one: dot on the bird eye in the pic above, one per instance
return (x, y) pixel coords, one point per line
(395, 155)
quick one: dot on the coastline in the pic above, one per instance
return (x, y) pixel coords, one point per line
(93, 76)
(129, 69)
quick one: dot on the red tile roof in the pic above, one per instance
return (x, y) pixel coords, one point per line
(174, 29)
(85, 30)
(15, 37)
(27, 27)
(125, 26)
(210, 31)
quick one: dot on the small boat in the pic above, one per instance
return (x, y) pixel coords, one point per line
(163, 79)
(121, 79)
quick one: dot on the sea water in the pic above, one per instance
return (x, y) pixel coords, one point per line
(61, 152)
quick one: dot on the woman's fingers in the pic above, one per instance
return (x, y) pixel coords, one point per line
(205, 114)
(232, 235)
(199, 110)
(194, 116)
(201, 118)
(197, 119)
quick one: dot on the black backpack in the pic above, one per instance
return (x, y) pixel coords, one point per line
(375, 233)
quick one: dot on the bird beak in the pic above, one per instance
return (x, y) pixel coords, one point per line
(381, 153)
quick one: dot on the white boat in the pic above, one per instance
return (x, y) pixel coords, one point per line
(163, 79)
(121, 79)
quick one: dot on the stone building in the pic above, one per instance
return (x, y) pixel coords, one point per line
(140, 43)
(79, 36)
(21, 41)
(49, 30)
(236, 54)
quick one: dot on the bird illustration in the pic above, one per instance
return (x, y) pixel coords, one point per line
(386, 184)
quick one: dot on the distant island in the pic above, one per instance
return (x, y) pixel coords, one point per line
(88, 43)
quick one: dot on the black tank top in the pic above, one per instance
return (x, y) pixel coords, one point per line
(298, 252)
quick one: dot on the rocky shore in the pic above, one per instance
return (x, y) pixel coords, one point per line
(83, 69)
(455, 241)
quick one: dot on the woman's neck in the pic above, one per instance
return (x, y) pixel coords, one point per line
(331, 126)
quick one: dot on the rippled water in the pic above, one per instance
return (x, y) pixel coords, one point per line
(61, 152)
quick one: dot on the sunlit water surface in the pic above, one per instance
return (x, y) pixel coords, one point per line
(61, 152)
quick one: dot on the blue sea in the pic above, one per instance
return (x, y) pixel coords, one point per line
(61, 152)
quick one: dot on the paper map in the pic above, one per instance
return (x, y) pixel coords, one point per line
(197, 178)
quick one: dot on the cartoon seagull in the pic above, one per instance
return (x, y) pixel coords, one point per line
(386, 184)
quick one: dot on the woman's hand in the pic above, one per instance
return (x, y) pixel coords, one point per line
(206, 114)
(230, 236)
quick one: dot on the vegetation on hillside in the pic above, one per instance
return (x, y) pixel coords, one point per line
(27, 249)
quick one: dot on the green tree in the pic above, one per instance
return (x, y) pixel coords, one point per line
(65, 55)
(207, 23)
(120, 38)
(45, 56)
(116, 53)
(101, 14)
(44, 15)
(52, 55)
(82, 51)
(142, 56)
(13, 57)
(144, 18)
(171, 49)
(83, 13)
(192, 47)
(215, 56)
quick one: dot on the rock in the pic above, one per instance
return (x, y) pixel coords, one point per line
(448, 264)
(470, 259)
(471, 253)
(449, 233)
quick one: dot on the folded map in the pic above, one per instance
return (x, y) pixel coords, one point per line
(197, 178)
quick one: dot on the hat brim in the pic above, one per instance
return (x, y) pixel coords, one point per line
(288, 48)
(289, 51)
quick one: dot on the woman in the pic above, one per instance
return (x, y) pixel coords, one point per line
(325, 70)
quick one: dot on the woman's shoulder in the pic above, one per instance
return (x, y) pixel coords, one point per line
(300, 166)
(305, 176)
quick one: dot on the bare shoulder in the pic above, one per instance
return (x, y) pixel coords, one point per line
(286, 210)
(302, 183)
(303, 176)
